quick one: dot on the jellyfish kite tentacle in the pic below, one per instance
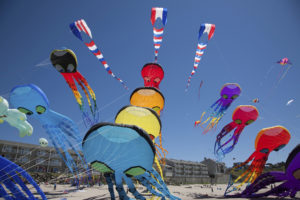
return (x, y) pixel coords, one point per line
(132, 188)
(79, 28)
(110, 185)
(159, 185)
(120, 188)
(147, 184)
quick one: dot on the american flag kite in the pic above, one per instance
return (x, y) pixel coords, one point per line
(78, 27)
(208, 29)
(158, 14)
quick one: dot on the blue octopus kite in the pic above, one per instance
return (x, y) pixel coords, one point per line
(121, 152)
(11, 176)
(32, 101)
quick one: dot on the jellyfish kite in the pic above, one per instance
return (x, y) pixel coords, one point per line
(267, 140)
(229, 92)
(288, 181)
(208, 29)
(242, 116)
(148, 120)
(15, 118)
(81, 30)
(152, 74)
(65, 62)
(32, 101)
(126, 151)
(148, 97)
(12, 184)
(158, 21)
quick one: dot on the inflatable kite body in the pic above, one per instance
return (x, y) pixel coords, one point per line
(32, 101)
(267, 140)
(148, 97)
(229, 92)
(81, 30)
(43, 142)
(11, 176)
(158, 21)
(289, 181)
(15, 118)
(152, 74)
(208, 29)
(242, 116)
(125, 151)
(65, 62)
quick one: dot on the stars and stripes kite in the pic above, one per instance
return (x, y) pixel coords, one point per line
(158, 21)
(78, 28)
(209, 29)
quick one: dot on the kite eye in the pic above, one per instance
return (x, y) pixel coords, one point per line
(40, 109)
(235, 96)
(225, 96)
(25, 111)
(101, 167)
(238, 121)
(296, 174)
(280, 147)
(156, 80)
(70, 68)
(146, 78)
(134, 171)
(59, 68)
(156, 108)
(264, 150)
(249, 122)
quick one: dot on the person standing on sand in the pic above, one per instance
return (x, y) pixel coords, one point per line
(54, 186)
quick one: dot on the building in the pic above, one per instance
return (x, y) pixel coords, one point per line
(216, 171)
(35, 158)
(180, 171)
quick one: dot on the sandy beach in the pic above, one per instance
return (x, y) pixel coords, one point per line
(185, 192)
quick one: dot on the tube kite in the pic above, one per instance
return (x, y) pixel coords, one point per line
(158, 21)
(208, 29)
(81, 30)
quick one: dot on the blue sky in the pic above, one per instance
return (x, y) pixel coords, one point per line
(250, 37)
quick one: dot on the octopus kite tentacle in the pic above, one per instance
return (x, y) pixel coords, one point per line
(9, 177)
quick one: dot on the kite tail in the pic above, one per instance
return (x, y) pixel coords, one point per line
(157, 40)
(71, 83)
(94, 49)
(81, 26)
(159, 167)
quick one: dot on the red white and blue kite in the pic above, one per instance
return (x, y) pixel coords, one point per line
(158, 21)
(208, 29)
(78, 28)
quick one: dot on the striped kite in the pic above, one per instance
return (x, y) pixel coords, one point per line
(80, 26)
(158, 21)
(209, 29)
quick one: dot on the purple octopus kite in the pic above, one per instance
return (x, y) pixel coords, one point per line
(290, 180)
(229, 92)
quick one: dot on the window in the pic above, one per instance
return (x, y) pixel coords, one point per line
(6, 148)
